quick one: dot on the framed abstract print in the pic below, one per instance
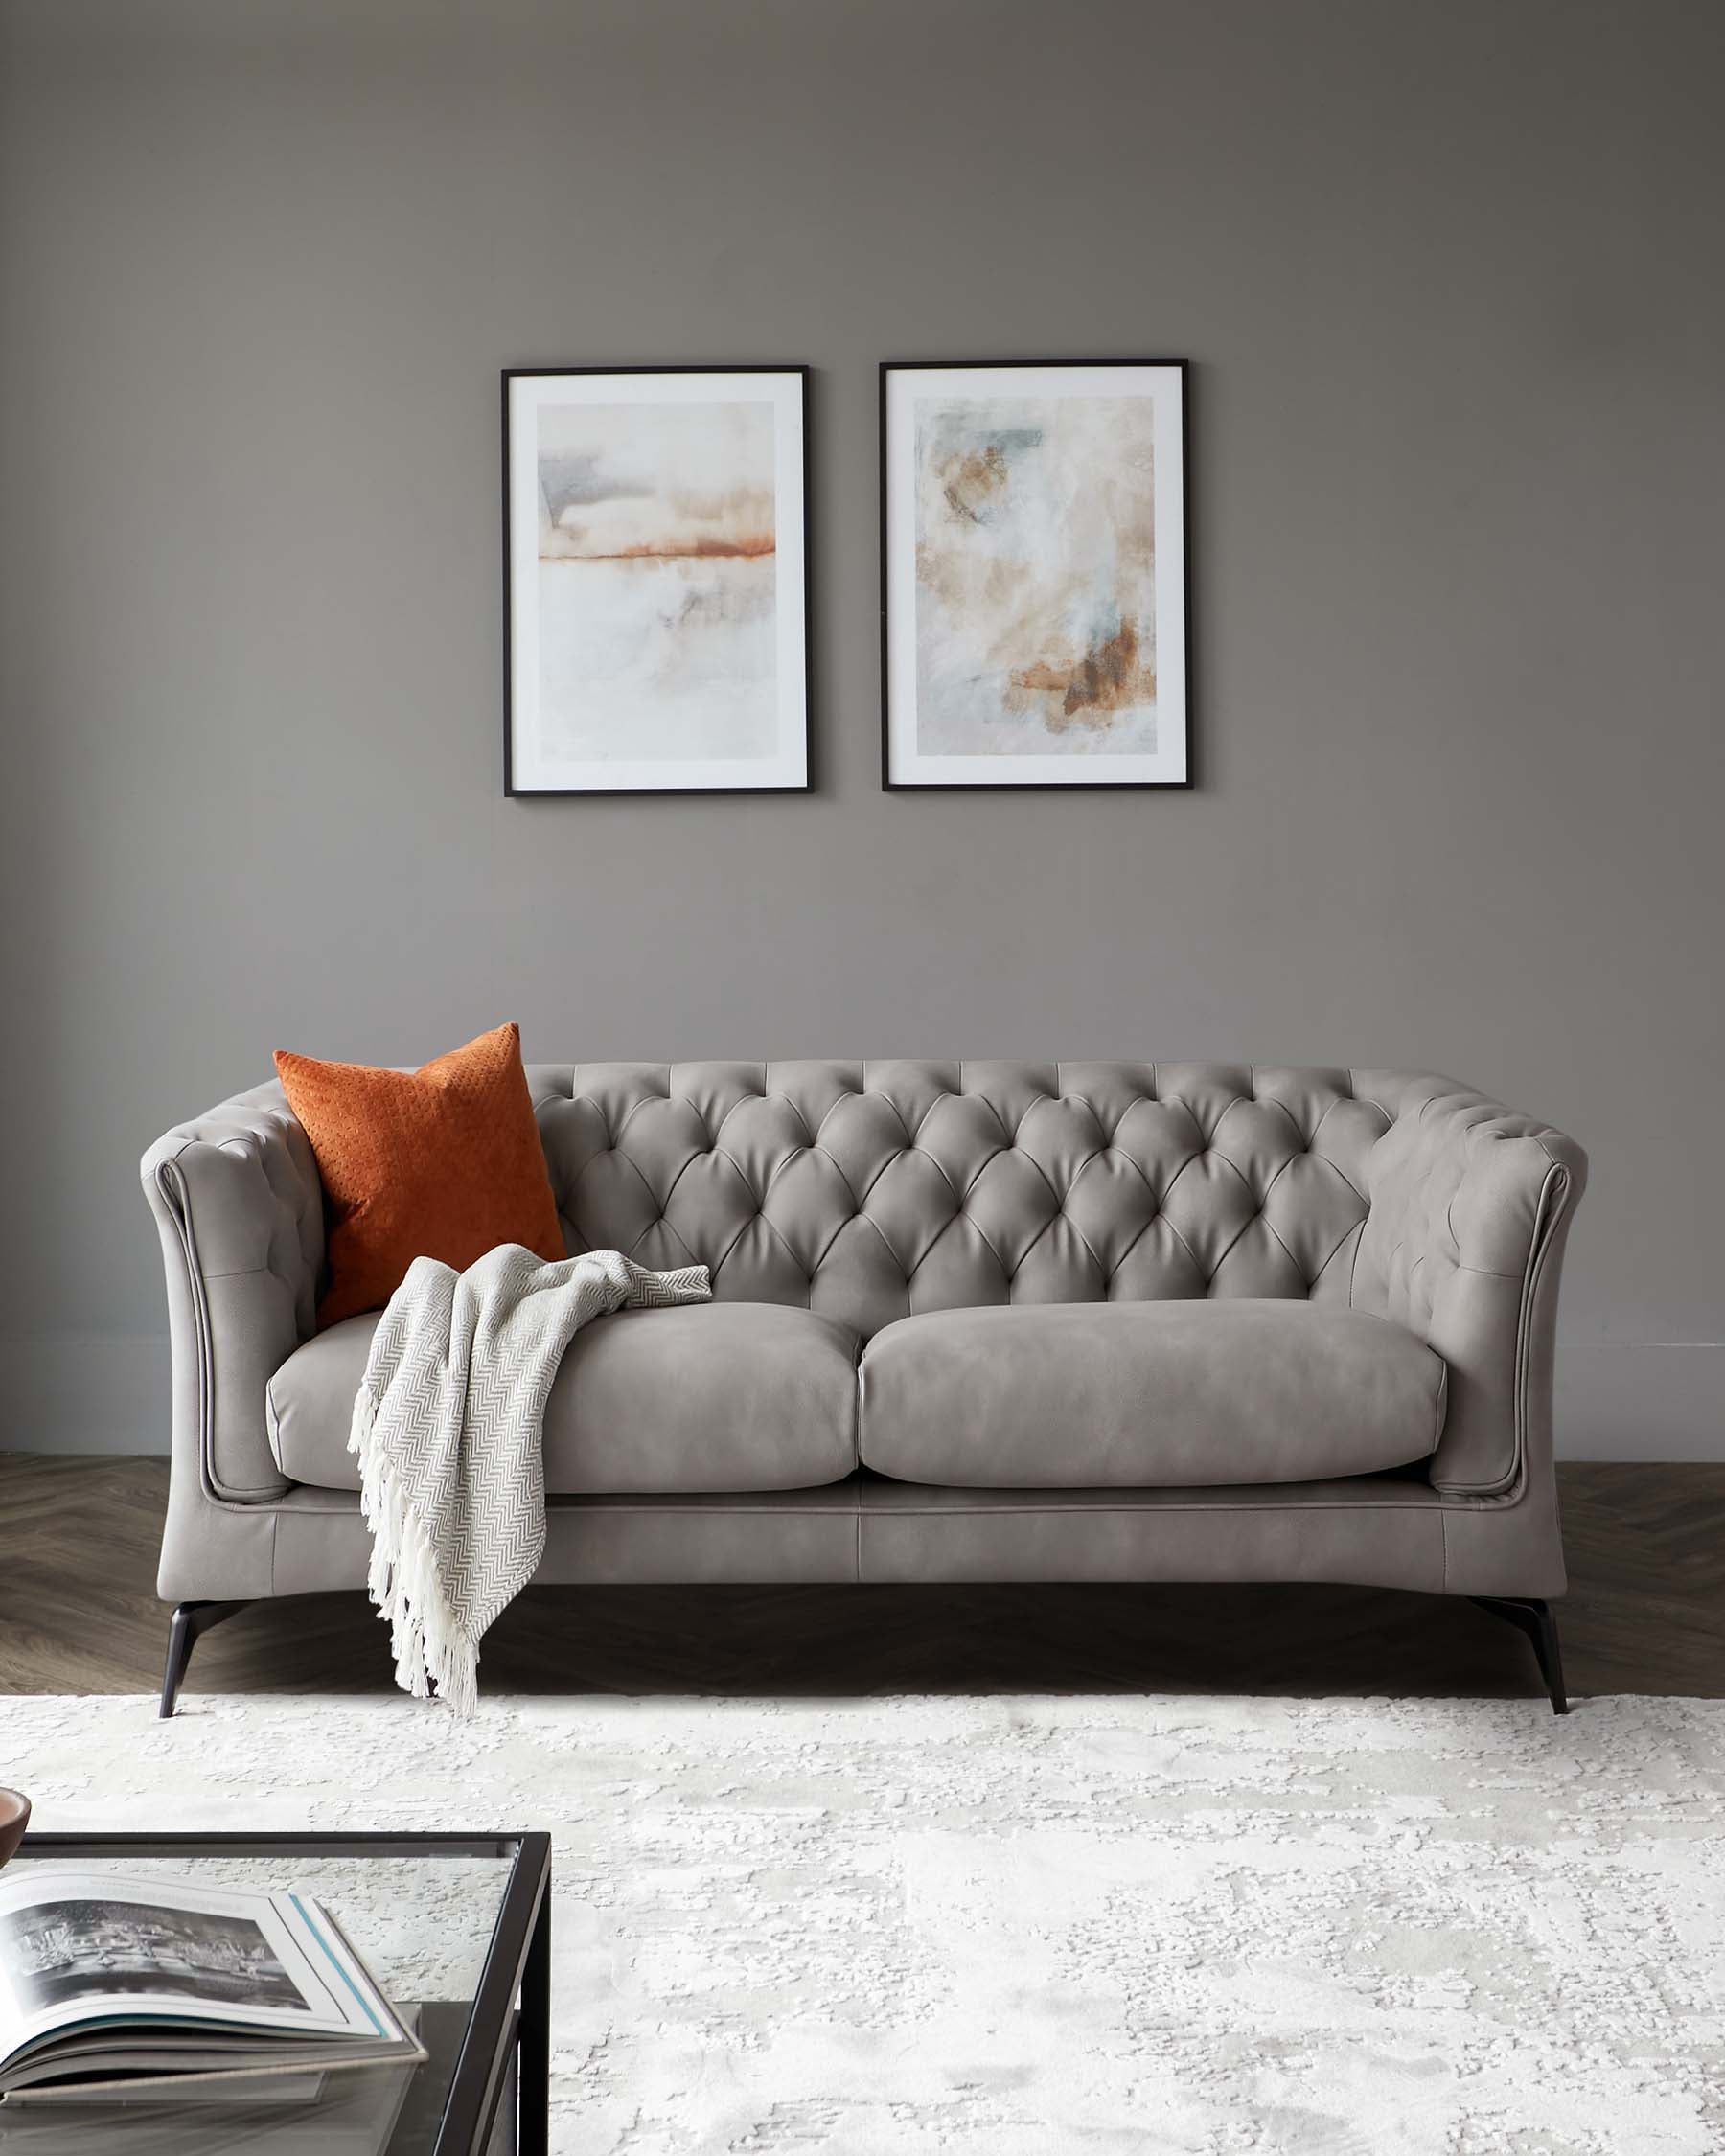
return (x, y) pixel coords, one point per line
(656, 580)
(1033, 575)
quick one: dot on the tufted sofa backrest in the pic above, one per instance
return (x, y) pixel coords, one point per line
(872, 1191)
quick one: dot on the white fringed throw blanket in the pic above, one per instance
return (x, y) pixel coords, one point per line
(448, 1424)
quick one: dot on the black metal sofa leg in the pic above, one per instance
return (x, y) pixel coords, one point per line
(189, 1622)
(1536, 1620)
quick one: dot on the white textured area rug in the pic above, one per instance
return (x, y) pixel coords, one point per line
(1456, 1928)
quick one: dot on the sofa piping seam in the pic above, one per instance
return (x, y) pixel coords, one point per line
(1547, 1216)
(175, 1194)
(625, 1501)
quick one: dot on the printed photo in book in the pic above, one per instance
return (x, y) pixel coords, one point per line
(59, 1952)
(106, 1980)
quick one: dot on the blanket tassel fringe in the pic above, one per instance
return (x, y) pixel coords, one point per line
(430, 1648)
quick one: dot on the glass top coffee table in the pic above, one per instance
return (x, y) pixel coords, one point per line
(456, 1928)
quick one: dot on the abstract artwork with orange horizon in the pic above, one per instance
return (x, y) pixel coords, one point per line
(1035, 573)
(656, 581)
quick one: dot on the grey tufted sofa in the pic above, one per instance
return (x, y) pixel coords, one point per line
(973, 1322)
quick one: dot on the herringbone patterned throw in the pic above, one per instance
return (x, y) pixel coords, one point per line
(447, 1426)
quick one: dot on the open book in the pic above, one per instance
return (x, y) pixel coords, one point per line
(112, 1983)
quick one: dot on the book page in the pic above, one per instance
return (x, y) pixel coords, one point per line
(78, 1948)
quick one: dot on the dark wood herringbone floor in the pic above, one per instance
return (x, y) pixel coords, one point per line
(1645, 1613)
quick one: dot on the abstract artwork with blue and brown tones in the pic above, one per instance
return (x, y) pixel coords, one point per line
(1035, 575)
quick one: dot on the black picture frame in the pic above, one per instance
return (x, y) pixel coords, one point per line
(1189, 779)
(512, 789)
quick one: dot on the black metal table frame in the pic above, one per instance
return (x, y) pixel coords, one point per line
(518, 1961)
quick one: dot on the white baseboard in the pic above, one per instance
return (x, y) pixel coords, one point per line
(1621, 1400)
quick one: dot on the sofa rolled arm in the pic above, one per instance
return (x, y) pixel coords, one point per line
(1470, 1204)
(239, 1211)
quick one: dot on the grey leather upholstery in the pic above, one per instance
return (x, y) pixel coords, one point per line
(726, 1396)
(1466, 1202)
(1372, 1531)
(1146, 1395)
(871, 1192)
(877, 1191)
(239, 1211)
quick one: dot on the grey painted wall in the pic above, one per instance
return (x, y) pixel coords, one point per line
(1448, 275)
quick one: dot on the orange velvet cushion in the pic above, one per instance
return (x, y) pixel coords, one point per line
(444, 1161)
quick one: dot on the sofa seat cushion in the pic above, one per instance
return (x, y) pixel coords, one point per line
(714, 1396)
(1146, 1395)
